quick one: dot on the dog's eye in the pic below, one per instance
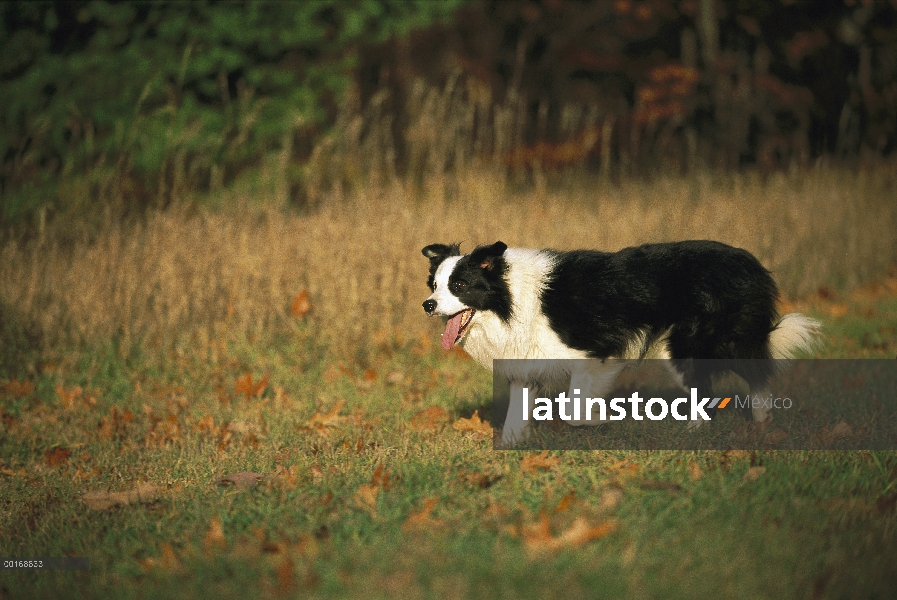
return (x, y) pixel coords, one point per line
(458, 286)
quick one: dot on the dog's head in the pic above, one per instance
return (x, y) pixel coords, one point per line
(464, 285)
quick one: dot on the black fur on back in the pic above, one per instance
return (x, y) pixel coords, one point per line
(712, 300)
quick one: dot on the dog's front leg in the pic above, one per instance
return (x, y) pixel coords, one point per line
(516, 429)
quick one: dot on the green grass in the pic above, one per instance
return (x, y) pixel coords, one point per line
(765, 524)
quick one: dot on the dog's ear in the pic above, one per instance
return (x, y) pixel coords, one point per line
(439, 252)
(487, 256)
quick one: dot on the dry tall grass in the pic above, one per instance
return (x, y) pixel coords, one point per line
(211, 274)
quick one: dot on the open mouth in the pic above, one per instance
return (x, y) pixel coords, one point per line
(455, 327)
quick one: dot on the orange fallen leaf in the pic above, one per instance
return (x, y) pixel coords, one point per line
(57, 456)
(367, 492)
(430, 419)
(538, 539)
(533, 462)
(422, 519)
(320, 421)
(474, 424)
(18, 389)
(250, 389)
(68, 397)
(301, 305)
(624, 468)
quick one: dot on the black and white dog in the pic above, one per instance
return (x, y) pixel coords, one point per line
(679, 301)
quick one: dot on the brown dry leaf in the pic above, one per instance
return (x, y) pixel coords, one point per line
(754, 473)
(167, 559)
(249, 388)
(288, 475)
(395, 378)
(538, 540)
(837, 309)
(144, 494)
(243, 480)
(206, 423)
(565, 502)
(321, 421)
(286, 576)
(57, 456)
(474, 424)
(422, 520)
(623, 468)
(18, 389)
(301, 305)
(68, 397)
(214, 537)
(367, 495)
(694, 470)
(430, 419)
(610, 499)
(533, 462)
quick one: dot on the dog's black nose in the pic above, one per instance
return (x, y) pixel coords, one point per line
(430, 306)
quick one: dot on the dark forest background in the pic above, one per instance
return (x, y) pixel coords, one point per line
(144, 101)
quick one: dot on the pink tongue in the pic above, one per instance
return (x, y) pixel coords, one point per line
(451, 331)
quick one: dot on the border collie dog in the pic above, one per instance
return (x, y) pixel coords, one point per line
(678, 301)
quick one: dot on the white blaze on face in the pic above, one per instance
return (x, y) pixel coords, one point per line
(447, 303)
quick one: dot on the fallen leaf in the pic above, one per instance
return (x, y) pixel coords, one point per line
(144, 494)
(243, 480)
(286, 576)
(610, 499)
(395, 378)
(422, 519)
(538, 540)
(320, 421)
(250, 389)
(754, 473)
(533, 462)
(474, 424)
(57, 456)
(301, 305)
(430, 419)
(167, 559)
(624, 468)
(214, 537)
(18, 389)
(68, 397)
(694, 470)
(367, 495)
(565, 502)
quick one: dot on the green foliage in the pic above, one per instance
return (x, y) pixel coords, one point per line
(158, 91)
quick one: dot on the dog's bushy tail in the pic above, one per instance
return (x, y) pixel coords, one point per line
(794, 333)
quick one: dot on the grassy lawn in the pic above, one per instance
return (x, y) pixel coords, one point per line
(252, 404)
(359, 490)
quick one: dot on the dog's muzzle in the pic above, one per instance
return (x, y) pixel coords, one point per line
(429, 306)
